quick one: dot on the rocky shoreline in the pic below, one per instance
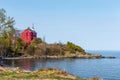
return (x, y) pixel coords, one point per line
(42, 74)
(91, 56)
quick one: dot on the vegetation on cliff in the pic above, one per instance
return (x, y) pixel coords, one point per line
(41, 48)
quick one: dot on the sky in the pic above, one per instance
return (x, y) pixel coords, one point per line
(91, 24)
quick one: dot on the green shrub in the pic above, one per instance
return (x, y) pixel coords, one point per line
(74, 47)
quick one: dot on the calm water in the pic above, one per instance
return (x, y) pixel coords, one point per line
(108, 69)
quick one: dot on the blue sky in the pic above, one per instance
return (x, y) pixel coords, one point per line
(92, 24)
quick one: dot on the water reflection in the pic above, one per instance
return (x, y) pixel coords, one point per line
(35, 64)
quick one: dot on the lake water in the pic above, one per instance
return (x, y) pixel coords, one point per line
(108, 69)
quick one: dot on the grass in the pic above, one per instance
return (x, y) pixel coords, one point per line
(42, 74)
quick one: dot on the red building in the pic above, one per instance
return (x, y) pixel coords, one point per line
(28, 35)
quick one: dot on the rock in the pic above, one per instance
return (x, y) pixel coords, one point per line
(111, 57)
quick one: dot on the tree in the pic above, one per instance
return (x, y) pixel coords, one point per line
(6, 25)
(6, 32)
(18, 47)
(33, 48)
(36, 41)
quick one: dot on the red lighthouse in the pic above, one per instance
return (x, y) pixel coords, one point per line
(28, 35)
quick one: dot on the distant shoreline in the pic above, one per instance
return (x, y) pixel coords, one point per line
(93, 56)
